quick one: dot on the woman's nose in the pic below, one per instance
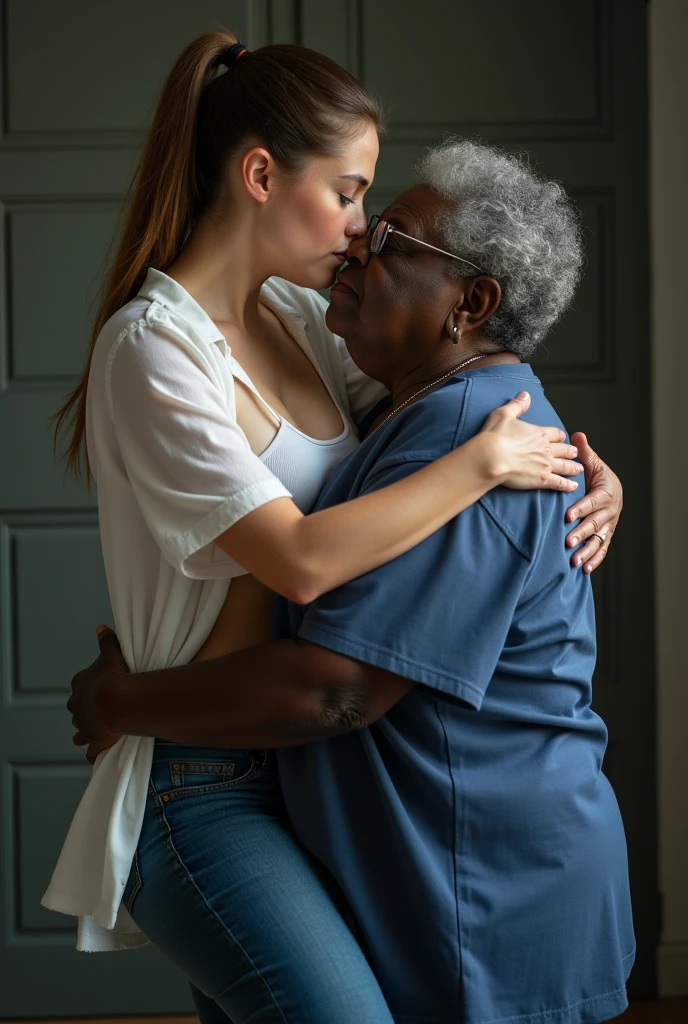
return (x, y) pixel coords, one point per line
(358, 225)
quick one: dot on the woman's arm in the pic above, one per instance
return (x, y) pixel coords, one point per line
(200, 487)
(301, 557)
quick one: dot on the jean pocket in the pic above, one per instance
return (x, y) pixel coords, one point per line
(189, 777)
(133, 886)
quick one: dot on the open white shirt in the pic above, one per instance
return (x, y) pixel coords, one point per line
(173, 471)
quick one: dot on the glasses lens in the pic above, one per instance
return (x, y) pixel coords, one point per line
(378, 235)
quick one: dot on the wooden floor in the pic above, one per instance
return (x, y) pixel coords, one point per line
(661, 1011)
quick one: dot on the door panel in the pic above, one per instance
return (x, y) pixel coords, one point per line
(78, 81)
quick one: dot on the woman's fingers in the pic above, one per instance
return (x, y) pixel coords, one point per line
(518, 405)
(556, 435)
(559, 483)
(564, 451)
(563, 456)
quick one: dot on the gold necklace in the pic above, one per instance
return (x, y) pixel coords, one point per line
(431, 385)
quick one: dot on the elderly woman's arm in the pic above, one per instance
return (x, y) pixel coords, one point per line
(280, 694)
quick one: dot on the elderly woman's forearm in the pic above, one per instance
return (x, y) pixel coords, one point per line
(273, 695)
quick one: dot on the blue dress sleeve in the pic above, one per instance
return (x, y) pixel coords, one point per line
(439, 614)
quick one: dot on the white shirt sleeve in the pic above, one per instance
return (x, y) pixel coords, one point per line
(191, 468)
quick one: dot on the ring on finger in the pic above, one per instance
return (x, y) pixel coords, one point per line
(602, 538)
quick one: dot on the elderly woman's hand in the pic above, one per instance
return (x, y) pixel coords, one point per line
(86, 701)
(598, 511)
(524, 456)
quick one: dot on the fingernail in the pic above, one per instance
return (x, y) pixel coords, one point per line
(575, 452)
(100, 629)
(574, 541)
(577, 560)
(523, 395)
(575, 484)
(574, 514)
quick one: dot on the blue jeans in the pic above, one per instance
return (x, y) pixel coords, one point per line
(221, 885)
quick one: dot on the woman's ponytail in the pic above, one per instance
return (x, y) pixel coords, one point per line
(158, 212)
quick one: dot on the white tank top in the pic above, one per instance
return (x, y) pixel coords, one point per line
(300, 462)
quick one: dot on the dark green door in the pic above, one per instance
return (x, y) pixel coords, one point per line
(564, 81)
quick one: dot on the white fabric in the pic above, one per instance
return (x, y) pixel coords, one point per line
(173, 471)
(303, 463)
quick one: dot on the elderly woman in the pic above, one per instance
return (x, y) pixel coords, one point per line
(461, 806)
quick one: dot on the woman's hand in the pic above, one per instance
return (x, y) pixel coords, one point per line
(524, 456)
(598, 511)
(86, 702)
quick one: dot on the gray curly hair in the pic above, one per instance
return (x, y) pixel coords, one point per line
(519, 227)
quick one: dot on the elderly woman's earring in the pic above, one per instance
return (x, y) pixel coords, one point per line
(456, 334)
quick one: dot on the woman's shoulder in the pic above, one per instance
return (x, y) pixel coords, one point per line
(148, 328)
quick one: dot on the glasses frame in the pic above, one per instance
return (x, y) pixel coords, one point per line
(377, 241)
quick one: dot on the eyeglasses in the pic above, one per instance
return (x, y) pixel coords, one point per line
(380, 230)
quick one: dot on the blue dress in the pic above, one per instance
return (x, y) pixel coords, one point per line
(471, 828)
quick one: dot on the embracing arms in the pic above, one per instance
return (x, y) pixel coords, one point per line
(280, 694)
(200, 487)
(302, 557)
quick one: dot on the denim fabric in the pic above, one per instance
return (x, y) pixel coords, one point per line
(222, 887)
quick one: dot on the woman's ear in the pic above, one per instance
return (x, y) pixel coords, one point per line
(482, 296)
(256, 170)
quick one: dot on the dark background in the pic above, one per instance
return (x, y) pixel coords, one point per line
(566, 81)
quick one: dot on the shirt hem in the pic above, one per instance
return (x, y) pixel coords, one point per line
(587, 1011)
(111, 938)
(383, 657)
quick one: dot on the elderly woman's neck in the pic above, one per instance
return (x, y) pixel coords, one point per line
(407, 379)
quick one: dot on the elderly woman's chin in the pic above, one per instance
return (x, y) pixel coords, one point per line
(343, 309)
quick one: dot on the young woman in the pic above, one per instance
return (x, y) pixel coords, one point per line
(214, 394)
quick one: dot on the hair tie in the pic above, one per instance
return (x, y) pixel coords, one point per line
(232, 53)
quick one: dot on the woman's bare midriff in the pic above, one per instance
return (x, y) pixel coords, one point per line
(244, 620)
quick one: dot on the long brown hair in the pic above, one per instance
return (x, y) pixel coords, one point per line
(297, 102)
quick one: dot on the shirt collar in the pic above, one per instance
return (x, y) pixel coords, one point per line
(158, 287)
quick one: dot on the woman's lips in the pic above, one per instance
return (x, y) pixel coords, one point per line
(340, 256)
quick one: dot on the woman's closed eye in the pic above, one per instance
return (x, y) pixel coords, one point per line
(346, 200)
